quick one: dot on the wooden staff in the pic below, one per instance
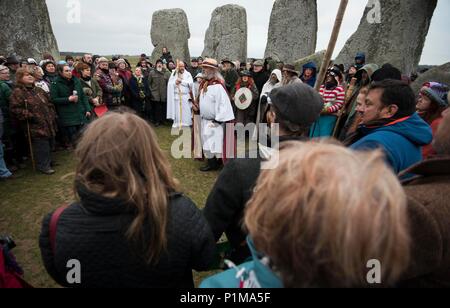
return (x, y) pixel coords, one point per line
(343, 111)
(332, 43)
(196, 126)
(179, 94)
(29, 139)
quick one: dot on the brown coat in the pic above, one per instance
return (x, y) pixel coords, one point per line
(31, 106)
(429, 211)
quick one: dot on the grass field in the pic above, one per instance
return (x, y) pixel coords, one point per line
(26, 200)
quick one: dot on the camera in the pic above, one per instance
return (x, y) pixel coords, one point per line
(7, 241)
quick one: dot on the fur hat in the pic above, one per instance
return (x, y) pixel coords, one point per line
(102, 59)
(120, 61)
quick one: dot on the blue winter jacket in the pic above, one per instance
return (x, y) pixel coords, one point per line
(312, 81)
(253, 274)
(400, 140)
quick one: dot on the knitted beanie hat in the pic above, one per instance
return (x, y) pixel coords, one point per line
(437, 92)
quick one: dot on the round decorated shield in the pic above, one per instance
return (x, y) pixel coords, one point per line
(243, 98)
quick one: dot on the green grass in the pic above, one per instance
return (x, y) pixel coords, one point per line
(26, 200)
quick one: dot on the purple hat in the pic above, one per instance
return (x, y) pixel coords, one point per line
(437, 92)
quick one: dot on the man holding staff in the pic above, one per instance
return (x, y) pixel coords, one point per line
(178, 96)
(215, 111)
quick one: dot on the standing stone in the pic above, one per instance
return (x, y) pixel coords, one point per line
(316, 58)
(292, 30)
(393, 32)
(438, 74)
(26, 29)
(226, 36)
(170, 28)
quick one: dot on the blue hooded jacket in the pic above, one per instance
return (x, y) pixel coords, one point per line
(360, 56)
(252, 274)
(312, 81)
(400, 140)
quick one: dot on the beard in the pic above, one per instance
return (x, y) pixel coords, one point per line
(331, 84)
(210, 75)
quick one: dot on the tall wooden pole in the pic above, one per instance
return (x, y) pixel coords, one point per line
(332, 44)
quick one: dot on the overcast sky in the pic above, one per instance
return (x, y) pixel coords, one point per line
(123, 27)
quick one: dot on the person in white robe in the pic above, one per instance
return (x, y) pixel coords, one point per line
(275, 81)
(215, 111)
(179, 88)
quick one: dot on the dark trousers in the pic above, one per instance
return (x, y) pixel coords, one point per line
(4, 172)
(70, 134)
(138, 106)
(247, 116)
(16, 148)
(158, 111)
(42, 149)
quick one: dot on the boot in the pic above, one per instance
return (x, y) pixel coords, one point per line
(212, 165)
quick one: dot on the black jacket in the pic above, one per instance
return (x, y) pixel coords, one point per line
(260, 79)
(93, 232)
(226, 203)
(166, 57)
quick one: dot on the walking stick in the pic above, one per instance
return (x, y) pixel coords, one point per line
(332, 44)
(29, 139)
(343, 111)
(181, 106)
(180, 95)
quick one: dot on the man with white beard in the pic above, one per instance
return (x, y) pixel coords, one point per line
(179, 108)
(156, 109)
(215, 111)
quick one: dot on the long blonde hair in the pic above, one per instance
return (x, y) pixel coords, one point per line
(119, 157)
(324, 211)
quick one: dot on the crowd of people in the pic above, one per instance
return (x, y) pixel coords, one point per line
(361, 174)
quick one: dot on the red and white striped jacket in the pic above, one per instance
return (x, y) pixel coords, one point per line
(335, 98)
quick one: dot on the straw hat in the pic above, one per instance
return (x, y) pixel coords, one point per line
(211, 63)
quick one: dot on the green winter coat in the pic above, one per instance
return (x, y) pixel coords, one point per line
(69, 113)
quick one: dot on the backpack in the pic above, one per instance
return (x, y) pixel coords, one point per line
(11, 274)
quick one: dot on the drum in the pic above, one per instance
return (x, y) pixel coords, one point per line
(243, 98)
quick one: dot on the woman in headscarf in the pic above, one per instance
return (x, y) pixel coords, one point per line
(274, 82)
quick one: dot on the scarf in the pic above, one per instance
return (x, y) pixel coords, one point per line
(206, 83)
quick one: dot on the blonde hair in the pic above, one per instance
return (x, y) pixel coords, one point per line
(324, 211)
(21, 72)
(119, 157)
